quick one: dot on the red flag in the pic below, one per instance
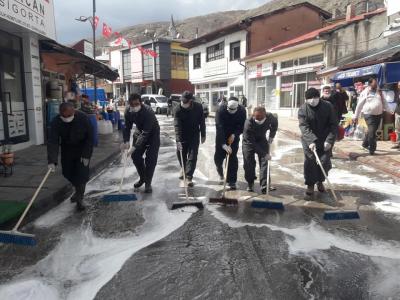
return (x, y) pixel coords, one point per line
(107, 31)
(95, 22)
(117, 42)
(117, 34)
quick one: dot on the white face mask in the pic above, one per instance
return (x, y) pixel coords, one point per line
(260, 122)
(67, 120)
(313, 102)
(135, 109)
(185, 105)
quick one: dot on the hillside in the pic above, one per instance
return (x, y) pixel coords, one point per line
(204, 24)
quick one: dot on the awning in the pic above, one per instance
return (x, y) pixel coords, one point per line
(346, 78)
(64, 59)
(392, 72)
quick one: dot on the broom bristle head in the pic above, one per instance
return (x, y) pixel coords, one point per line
(17, 238)
(267, 205)
(341, 215)
(120, 198)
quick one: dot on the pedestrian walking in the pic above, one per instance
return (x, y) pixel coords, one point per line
(318, 126)
(146, 140)
(371, 104)
(229, 121)
(86, 106)
(255, 142)
(169, 107)
(397, 117)
(71, 131)
(190, 129)
(341, 99)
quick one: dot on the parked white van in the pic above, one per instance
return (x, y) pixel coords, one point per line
(158, 103)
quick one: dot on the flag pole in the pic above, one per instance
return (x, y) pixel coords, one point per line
(94, 50)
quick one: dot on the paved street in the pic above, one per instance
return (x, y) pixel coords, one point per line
(144, 251)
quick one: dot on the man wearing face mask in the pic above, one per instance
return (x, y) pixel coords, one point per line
(146, 140)
(189, 124)
(229, 121)
(318, 125)
(255, 142)
(71, 130)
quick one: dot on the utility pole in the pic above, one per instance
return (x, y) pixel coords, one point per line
(94, 49)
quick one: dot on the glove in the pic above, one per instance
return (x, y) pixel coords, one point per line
(327, 147)
(271, 140)
(51, 167)
(131, 150)
(313, 147)
(179, 146)
(228, 149)
(124, 147)
(268, 157)
(85, 161)
(203, 139)
(231, 139)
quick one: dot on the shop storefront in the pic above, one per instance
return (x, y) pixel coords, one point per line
(262, 84)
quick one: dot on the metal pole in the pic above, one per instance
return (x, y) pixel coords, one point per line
(154, 67)
(94, 50)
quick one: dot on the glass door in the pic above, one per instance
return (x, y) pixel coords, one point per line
(299, 91)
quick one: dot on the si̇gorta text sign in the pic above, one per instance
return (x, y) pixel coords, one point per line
(393, 6)
(35, 15)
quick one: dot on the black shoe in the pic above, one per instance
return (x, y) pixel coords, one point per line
(148, 189)
(250, 187)
(232, 187)
(190, 182)
(138, 184)
(264, 190)
(272, 188)
(371, 152)
(321, 187)
(310, 190)
(80, 204)
(74, 198)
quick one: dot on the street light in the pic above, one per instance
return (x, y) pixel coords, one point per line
(153, 36)
(92, 22)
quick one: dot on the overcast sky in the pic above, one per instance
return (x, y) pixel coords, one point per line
(122, 13)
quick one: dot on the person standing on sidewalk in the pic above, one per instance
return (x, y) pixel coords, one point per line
(71, 130)
(86, 106)
(397, 117)
(189, 125)
(371, 104)
(146, 140)
(318, 126)
(255, 142)
(229, 121)
(341, 98)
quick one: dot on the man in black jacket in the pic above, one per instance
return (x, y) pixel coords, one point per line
(71, 130)
(318, 125)
(229, 121)
(255, 142)
(189, 124)
(146, 140)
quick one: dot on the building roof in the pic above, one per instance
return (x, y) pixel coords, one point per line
(243, 24)
(316, 34)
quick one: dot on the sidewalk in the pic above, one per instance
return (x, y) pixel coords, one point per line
(31, 166)
(385, 159)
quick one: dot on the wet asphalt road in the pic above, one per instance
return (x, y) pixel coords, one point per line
(144, 251)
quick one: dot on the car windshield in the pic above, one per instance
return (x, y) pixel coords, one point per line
(161, 99)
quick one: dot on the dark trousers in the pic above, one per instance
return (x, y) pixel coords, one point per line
(146, 166)
(373, 123)
(72, 167)
(312, 171)
(219, 157)
(250, 165)
(190, 151)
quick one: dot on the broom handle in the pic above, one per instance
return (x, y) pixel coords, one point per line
(326, 176)
(226, 174)
(32, 200)
(184, 176)
(268, 171)
(123, 171)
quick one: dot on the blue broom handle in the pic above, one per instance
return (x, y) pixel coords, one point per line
(32, 200)
(325, 175)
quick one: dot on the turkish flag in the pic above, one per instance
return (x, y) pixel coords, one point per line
(95, 22)
(117, 42)
(107, 31)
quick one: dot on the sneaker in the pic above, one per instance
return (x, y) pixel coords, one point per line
(148, 189)
(310, 190)
(138, 184)
(321, 187)
(250, 187)
(232, 187)
(190, 182)
(272, 188)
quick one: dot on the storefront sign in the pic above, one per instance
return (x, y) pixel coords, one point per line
(297, 71)
(393, 7)
(35, 15)
(260, 70)
(88, 49)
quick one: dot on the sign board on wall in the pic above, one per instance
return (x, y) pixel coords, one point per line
(260, 70)
(88, 49)
(35, 15)
(393, 7)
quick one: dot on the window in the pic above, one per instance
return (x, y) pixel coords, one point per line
(223, 84)
(126, 65)
(303, 61)
(287, 64)
(179, 61)
(315, 58)
(216, 52)
(197, 61)
(147, 66)
(235, 51)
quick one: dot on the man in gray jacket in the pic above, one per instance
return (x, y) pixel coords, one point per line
(255, 142)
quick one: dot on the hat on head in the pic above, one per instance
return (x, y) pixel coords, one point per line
(186, 96)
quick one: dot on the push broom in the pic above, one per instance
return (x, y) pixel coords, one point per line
(188, 201)
(335, 214)
(223, 199)
(14, 236)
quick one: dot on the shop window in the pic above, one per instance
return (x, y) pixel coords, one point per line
(303, 61)
(179, 61)
(216, 52)
(223, 84)
(235, 51)
(300, 77)
(147, 66)
(316, 58)
(126, 65)
(287, 79)
(286, 99)
(197, 61)
(215, 85)
(312, 76)
(287, 64)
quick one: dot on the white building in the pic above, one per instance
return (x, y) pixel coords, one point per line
(215, 67)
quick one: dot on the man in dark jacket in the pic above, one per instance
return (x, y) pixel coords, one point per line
(71, 130)
(318, 125)
(146, 140)
(229, 121)
(255, 142)
(341, 101)
(189, 124)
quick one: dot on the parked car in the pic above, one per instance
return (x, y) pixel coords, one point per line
(158, 103)
(176, 100)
